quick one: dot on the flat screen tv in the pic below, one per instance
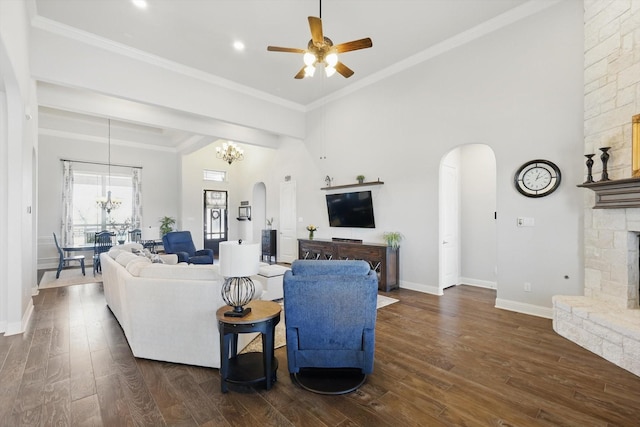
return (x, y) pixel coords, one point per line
(351, 210)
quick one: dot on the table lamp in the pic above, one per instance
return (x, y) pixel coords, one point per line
(238, 261)
(150, 233)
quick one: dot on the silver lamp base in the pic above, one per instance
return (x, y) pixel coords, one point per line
(238, 292)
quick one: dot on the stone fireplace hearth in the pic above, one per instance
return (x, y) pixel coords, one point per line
(606, 320)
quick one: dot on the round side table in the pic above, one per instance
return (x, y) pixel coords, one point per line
(248, 368)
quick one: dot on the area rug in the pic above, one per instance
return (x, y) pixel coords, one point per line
(280, 336)
(67, 278)
(385, 301)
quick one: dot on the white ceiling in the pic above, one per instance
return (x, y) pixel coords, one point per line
(200, 33)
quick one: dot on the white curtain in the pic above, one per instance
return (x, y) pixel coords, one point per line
(66, 238)
(136, 214)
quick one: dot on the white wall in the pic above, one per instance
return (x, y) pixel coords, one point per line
(241, 178)
(519, 91)
(160, 183)
(18, 143)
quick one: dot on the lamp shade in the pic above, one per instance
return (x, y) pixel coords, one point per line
(150, 233)
(239, 259)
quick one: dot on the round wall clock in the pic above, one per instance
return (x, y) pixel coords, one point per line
(537, 178)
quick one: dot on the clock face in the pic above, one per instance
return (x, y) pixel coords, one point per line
(537, 178)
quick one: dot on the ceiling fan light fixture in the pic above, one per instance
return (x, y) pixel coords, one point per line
(309, 70)
(309, 59)
(329, 71)
(331, 59)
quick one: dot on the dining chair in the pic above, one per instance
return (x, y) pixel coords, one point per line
(102, 243)
(135, 235)
(64, 260)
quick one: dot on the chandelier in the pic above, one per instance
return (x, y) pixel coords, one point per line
(108, 204)
(229, 152)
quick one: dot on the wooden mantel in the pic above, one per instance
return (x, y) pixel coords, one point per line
(615, 194)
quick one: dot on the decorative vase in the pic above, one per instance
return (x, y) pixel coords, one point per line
(605, 159)
(589, 166)
(310, 235)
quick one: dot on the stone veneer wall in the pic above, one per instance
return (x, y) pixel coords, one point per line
(606, 320)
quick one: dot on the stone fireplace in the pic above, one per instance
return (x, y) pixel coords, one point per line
(606, 320)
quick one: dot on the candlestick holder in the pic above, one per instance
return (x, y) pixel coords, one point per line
(605, 159)
(589, 168)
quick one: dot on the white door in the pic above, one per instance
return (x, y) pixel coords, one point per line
(288, 244)
(449, 227)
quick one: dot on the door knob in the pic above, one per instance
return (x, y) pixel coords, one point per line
(444, 242)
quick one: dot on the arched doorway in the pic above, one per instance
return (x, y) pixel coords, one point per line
(468, 232)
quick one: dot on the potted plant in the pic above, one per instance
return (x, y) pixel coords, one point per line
(166, 224)
(269, 223)
(393, 239)
(360, 179)
(311, 229)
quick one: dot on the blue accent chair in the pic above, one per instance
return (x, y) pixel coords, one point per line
(181, 244)
(330, 314)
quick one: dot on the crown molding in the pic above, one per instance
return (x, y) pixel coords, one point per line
(85, 37)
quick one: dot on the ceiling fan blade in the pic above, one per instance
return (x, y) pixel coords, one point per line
(354, 45)
(344, 70)
(300, 74)
(285, 49)
(315, 24)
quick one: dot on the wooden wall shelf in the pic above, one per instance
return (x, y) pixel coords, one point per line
(615, 194)
(364, 184)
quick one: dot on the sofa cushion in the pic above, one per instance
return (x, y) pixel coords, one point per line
(131, 247)
(182, 272)
(135, 266)
(171, 259)
(127, 247)
(123, 258)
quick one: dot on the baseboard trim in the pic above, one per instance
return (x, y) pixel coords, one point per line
(420, 287)
(14, 328)
(524, 308)
(478, 283)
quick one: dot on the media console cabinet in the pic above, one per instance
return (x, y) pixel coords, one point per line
(382, 259)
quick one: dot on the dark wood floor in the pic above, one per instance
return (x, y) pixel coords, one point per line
(452, 360)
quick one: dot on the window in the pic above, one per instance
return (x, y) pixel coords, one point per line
(88, 216)
(86, 185)
(219, 176)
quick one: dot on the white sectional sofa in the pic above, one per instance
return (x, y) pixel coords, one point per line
(167, 311)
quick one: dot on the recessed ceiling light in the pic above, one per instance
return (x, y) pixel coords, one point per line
(238, 45)
(141, 4)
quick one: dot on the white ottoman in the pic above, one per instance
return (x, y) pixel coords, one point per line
(270, 276)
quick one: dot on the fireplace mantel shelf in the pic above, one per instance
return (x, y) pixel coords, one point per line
(615, 194)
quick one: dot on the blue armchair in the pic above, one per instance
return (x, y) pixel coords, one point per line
(181, 244)
(330, 316)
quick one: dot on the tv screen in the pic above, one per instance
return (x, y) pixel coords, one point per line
(351, 210)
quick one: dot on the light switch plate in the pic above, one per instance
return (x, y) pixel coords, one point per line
(523, 221)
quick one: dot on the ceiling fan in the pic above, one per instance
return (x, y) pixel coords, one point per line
(321, 50)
